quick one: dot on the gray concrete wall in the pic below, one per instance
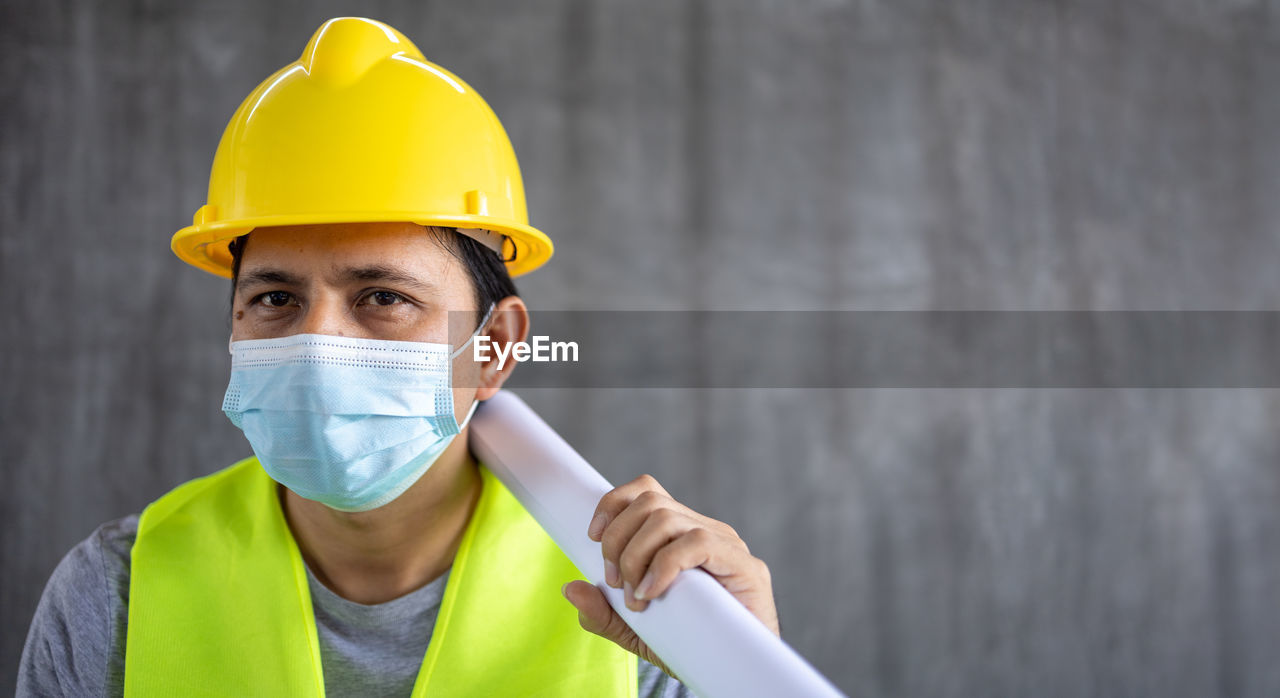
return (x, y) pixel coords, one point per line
(741, 154)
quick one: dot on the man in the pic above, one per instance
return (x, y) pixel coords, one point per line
(358, 196)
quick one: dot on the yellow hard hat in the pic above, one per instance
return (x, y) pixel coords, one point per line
(363, 128)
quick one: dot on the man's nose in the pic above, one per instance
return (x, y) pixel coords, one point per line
(326, 315)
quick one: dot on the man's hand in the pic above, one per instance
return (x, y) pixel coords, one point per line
(647, 538)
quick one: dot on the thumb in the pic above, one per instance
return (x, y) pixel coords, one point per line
(595, 615)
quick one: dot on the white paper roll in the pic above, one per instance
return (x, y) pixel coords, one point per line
(710, 640)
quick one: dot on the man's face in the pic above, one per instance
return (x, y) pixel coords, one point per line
(369, 280)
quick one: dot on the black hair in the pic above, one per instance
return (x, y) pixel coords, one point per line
(489, 278)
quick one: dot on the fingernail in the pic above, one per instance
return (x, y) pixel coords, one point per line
(642, 591)
(564, 590)
(628, 596)
(611, 574)
(597, 526)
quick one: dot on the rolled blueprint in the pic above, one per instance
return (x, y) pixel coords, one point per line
(702, 633)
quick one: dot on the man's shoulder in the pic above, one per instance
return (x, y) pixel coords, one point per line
(114, 540)
(102, 557)
(71, 646)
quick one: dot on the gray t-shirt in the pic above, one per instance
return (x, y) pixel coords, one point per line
(76, 643)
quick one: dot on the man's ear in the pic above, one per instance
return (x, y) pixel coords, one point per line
(508, 325)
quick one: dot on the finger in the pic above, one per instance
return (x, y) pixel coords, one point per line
(616, 535)
(732, 565)
(659, 528)
(617, 499)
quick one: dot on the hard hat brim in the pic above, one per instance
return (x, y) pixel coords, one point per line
(206, 246)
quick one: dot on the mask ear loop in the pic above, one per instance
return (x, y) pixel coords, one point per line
(483, 321)
(474, 404)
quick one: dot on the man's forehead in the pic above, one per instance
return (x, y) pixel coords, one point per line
(406, 247)
(357, 253)
(345, 239)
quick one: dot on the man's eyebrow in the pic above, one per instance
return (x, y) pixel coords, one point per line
(267, 276)
(378, 272)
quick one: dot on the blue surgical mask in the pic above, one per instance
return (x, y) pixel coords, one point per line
(351, 423)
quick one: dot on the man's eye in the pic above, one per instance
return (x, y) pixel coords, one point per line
(383, 298)
(276, 299)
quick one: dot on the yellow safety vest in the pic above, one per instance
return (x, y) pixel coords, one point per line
(219, 604)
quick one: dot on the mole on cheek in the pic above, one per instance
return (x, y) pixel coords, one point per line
(239, 314)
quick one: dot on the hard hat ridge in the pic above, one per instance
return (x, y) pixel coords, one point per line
(343, 48)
